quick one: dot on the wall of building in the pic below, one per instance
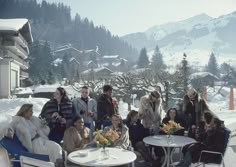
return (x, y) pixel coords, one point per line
(5, 90)
(15, 75)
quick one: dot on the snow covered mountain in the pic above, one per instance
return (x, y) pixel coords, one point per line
(197, 36)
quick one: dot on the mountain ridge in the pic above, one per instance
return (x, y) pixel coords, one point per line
(200, 32)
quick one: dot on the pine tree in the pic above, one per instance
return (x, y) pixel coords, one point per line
(184, 74)
(212, 65)
(51, 78)
(157, 60)
(65, 66)
(40, 61)
(143, 61)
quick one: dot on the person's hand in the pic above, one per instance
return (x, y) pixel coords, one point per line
(10, 133)
(55, 115)
(63, 121)
(193, 126)
(90, 114)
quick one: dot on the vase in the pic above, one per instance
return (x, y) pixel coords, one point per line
(169, 138)
(104, 154)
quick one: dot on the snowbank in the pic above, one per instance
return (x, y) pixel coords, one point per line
(11, 106)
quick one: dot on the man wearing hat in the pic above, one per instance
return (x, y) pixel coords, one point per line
(150, 111)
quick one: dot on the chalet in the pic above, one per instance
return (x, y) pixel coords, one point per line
(97, 73)
(82, 56)
(15, 37)
(205, 78)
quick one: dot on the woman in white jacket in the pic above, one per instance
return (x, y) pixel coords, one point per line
(33, 133)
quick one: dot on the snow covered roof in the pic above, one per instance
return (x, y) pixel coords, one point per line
(91, 62)
(74, 59)
(57, 61)
(66, 47)
(116, 64)
(117, 73)
(15, 26)
(97, 70)
(124, 59)
(202, 75)
(91, 50)
(139, 70)
(27, 90)
(12, 24)
(104, 64)
(111, 56)
(69, 46)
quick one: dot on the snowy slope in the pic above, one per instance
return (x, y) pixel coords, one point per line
(197, 37)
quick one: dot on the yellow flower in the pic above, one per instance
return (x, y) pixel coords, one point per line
(170, 127)
(106, 137)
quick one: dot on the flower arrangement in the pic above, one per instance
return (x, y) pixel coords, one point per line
(106, 137)
(171, 127)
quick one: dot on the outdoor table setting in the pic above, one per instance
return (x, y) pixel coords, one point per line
(167, 142)
(96, 157)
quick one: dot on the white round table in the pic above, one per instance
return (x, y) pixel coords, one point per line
(174, 142)
(116, 157)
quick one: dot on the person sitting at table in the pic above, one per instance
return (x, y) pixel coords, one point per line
(213, 142)
(32, 133)
(122, 130)
(172, 115)
(136, 133)
(76, 136)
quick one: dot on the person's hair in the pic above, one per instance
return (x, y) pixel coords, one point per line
(217, 123)
(84, 87)
(155, 94)
(202, 126)
(168, 112)
(63, 93)
(76, 118)
(24, 109)
(193, 92)
(119, 117)
(131, 114)
(208, 117)
(107, 88)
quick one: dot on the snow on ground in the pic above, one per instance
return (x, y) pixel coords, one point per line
(52, 88)
(123, 109)
(11, 106)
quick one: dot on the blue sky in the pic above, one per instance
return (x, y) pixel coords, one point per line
(128, 16)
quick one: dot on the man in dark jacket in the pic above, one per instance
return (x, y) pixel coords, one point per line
(105, 106)
(215, 137)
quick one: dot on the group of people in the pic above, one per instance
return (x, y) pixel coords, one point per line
(74, 122)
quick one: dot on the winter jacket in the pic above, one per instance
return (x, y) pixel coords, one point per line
(82, 109)
(151, 118)
(123, 141)
(74, 140)
(193, 110)
(65, 110)
(136, 132)
(33, 136)
(105, 108)
(213, 142)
